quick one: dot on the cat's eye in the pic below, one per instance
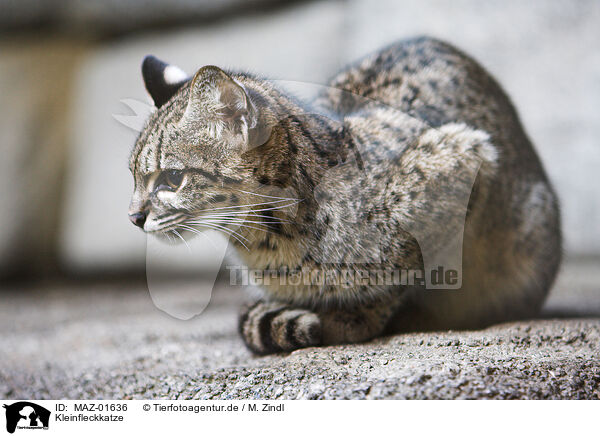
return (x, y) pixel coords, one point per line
(169, 180)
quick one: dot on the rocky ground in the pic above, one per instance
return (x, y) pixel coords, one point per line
(108, 341)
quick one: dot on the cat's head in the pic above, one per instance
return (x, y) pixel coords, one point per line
(188, 157)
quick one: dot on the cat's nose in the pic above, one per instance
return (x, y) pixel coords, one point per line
(138, 218)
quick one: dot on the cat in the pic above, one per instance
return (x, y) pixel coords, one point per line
(405, 153)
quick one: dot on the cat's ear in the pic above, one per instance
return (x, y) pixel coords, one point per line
(161, 79)
(220, 99)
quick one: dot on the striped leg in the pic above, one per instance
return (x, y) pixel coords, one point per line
(269, 327)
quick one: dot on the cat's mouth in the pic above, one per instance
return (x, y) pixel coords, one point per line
(183, 227)
(165, 225)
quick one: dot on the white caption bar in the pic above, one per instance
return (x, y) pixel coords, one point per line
(161, 417)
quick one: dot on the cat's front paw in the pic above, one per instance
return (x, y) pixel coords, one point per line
(272, 327)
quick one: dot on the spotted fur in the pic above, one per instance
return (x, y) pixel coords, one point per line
(407, 150)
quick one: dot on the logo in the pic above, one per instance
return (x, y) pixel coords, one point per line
(26, 415)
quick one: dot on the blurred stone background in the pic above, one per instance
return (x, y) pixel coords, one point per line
(65, 66)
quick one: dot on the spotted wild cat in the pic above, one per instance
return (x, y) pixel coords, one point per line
(407, 152)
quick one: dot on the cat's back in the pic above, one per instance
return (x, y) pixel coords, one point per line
(436, 84)
(426, 78)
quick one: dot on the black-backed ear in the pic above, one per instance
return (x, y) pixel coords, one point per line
(214, 94)
(161, 79)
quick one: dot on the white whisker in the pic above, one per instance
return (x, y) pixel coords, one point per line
(268, 219)
(239, 224)
(219, 225)
(225, 230)
(269, 196)
(261, 210)
(181, 237)
(242, 205)
(201, 234)
(233, 220)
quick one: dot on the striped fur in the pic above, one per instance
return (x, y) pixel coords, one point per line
(407, 148)
(269, 327)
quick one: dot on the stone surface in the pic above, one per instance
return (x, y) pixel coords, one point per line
(109, 341)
